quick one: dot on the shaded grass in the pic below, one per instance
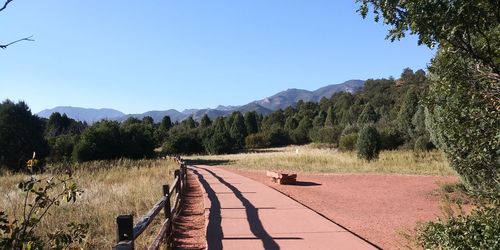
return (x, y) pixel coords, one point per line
(313, 159)
(110, 188)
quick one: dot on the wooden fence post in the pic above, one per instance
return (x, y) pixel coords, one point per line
(167, 209)
(168, 212)
(185, 172)
(125, 227)
(178, 184)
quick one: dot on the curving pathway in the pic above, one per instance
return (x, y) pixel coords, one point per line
(244, 214)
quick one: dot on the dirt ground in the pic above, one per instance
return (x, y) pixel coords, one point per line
(189, 228)
(377, 207)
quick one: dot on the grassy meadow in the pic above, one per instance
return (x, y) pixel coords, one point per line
(315, 158)
(110, 188)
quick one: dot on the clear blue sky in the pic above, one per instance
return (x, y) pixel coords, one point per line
(136, 56)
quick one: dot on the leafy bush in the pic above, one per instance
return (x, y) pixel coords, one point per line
(326, 135)
(41, 195)
(278, 138)
(478, 230)
(391, 139)
(463, 120)
(182, 143)
(61, 147)
(258, 140)
(138, 142)
(347, 142)
(368, 144)
(219, 142)
(422, 143)
(99, 142)
(350, 129)
(107, 140)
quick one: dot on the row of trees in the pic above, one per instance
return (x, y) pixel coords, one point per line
(389, 108)
(61, 138)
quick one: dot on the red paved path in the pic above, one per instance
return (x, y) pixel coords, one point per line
(244, 214)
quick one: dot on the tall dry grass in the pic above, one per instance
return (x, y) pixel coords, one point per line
(110, 188)
(310, 158)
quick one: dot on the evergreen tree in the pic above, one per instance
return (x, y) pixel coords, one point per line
(368, 144)
(319, 120)
(166, 123)
(218, 141)
(189, 123)
(291, 123)
(407, 76)
(301, 134)
(331, 119)
(251, 122)
(368, 116)
(238, 131)
(406, 113)
(148, 121)
(57, 124)
(205, 121)
(275, 120)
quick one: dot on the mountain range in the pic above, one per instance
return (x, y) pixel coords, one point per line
(281, 100)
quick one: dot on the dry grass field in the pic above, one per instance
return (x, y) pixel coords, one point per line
(314, 159)
(110, 188)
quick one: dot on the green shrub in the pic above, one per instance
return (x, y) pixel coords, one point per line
(100, 141)
(368, 144)
(182, 143)
(391, 139)
(108, 140)
(478, 230)
(350, 129)
(463, 120)
(219, 142)
(422, 144)
(61, 147)
(348, 142)
(278, 137)
(326, 135)
(258, 140)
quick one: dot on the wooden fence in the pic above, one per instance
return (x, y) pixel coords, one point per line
(127, 232)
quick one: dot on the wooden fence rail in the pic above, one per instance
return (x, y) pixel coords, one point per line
(127, 232)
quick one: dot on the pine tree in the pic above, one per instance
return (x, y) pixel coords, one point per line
(319, 120)
(367, 116)
(368, 144)
(251, 122)
(331, 119)
(406, 113)
(189, 123)
(291, 123)
(205, 121)
(218, 140)
(238, 131)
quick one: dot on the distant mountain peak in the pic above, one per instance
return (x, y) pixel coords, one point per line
(83, 114)
(280, 100)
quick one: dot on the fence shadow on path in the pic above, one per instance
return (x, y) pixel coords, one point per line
(214, 227)
(256, 227)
